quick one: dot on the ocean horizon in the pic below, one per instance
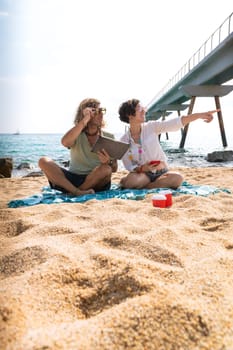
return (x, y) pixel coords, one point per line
(28, 148)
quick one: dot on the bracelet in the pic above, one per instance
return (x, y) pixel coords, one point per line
(110, 162)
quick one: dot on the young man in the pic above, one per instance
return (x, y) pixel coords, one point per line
(88, 172)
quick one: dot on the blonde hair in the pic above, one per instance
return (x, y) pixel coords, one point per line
(88, 102)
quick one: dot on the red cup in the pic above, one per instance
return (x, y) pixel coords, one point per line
(168, 195)
(159, 200)
(154, 162)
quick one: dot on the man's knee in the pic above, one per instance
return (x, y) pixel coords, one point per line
(105, 170)
(42, 162)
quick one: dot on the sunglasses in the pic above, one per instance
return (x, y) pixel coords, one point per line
(99, 110)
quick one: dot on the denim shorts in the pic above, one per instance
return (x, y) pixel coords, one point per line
(77, 180)
(153, 176)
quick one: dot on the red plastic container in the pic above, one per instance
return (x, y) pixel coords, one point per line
(168, 195)
(159, 201)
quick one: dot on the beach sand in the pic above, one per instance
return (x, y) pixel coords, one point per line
(117, 274)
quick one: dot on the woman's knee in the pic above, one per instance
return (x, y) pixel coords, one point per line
(177, 180)
(125, 183)
(133, 181)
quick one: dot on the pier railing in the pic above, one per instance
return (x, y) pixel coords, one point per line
(221, 33)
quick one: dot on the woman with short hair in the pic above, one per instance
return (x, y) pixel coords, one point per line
(145, 159)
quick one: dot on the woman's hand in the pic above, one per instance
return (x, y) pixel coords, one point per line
(206, 116)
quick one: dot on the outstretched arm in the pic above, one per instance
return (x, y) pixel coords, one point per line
(206, 116)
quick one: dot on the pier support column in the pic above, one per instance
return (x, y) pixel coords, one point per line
(220, 121)
(215, 91)
(185, 129)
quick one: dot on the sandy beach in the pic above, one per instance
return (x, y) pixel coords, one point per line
(117, 274)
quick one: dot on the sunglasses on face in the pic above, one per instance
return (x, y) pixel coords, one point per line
(99, 110)
(95, 109)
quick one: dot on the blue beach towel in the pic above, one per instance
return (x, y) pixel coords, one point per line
(50, 196)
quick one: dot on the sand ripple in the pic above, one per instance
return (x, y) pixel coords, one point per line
(117, 274)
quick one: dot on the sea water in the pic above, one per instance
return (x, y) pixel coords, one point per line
(28, 148)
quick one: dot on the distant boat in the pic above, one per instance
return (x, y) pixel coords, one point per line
(17, 133)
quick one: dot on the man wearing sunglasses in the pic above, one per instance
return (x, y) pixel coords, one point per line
(88, 172)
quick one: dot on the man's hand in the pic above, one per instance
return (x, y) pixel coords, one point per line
(87, 115)
(103, 156)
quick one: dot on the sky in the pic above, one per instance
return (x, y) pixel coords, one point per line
(55, 53)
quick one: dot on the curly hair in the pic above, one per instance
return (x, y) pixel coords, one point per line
(128, 108)
(88, 102)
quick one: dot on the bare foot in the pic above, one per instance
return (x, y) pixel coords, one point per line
(79, 192)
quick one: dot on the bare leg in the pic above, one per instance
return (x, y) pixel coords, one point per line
(56, 176)
(98, 178)
(134, 180)
(168, 180)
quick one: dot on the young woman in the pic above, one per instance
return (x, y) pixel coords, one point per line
(145, 160)
(88, 172)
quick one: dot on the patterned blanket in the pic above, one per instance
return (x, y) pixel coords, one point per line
(50, 196)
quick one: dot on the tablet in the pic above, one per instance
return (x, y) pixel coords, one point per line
(115, 149)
